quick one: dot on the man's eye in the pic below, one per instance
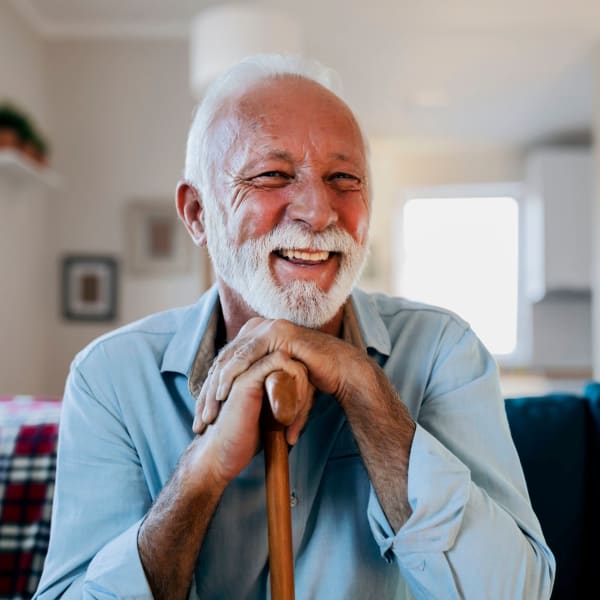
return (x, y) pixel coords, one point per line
(345, 181)
(274, 174)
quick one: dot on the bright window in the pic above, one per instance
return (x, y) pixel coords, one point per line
(462, 254)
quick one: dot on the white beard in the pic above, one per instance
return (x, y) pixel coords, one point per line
(245, 269)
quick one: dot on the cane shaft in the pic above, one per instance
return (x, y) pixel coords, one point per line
(281, 560)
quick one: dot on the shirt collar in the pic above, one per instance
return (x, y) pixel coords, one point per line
(190, 333)
(370, 324)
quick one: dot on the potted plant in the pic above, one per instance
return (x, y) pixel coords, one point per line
(18, 131)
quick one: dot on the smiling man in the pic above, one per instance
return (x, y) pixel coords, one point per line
(405, 481)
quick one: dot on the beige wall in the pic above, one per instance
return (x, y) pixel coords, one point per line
(120, 116)
(25, 290)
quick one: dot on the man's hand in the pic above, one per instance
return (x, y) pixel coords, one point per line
(231, 440)
(328, 361)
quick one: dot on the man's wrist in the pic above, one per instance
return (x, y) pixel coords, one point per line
(199, 471)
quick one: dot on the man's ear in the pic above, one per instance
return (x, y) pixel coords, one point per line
(191, 211)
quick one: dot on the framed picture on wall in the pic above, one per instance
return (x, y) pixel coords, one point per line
(89, 290)
(157, 242)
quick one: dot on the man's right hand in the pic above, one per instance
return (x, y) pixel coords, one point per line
(233, 436)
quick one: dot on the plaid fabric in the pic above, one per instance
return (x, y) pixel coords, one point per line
(28, 436)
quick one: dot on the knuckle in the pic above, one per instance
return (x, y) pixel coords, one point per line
(250, 324)
(244, 352)
(280, 326)
(280, 356)
(247, 351)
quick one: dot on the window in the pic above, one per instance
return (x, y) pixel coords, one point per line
(461, 253)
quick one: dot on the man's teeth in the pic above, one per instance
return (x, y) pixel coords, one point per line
(319, 255)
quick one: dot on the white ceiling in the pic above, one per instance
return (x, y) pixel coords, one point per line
(492, 71)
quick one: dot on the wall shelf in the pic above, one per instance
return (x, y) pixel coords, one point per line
(20, 168)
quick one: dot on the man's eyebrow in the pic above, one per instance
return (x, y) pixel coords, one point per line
(286, 156)
(341, 156)
(271, 155)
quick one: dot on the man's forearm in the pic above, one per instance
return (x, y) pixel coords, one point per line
(171, 536)
(384, 431)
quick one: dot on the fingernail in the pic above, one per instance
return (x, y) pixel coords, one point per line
(221, 393)
(195, 425)
(205, 414)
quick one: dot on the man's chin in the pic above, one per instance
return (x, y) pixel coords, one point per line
(302, 303)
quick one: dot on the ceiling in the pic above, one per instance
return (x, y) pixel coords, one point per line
(486, 71)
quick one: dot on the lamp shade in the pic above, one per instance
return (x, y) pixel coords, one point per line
(222, 35)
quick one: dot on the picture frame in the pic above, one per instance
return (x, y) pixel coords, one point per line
(157, 243)
(89, 288)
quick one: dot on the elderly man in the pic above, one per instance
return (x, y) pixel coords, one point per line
(405, 481)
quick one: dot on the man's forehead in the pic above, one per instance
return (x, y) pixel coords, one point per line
(286, 97)
(287, 116)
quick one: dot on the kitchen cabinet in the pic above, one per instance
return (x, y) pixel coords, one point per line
(557, 216)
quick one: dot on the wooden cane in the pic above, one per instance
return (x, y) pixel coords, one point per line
(280, 389)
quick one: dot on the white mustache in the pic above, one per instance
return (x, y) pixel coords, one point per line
(294, 236)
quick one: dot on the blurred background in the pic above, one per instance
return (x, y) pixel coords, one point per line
(481, 119)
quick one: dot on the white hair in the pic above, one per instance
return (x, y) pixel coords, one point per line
(231, 85)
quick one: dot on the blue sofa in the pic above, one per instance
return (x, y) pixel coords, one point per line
(558, 439)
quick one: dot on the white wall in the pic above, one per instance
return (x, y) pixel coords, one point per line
(24, 283)
(120, 111)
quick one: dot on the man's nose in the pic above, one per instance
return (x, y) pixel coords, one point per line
(313, 205)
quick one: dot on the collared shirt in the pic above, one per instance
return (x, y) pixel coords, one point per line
(127, 416)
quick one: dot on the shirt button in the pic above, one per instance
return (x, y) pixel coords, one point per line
(293, 499)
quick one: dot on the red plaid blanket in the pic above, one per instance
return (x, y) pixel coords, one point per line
(28, 435)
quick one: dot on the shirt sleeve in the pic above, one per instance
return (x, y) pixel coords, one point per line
(100, 499)
(472, 526)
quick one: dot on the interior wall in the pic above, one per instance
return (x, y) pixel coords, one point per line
(24, 207)
(120, 110)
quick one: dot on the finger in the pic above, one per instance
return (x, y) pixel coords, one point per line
(247, 392)
(198, 426)
(211, 406)
(203, 415)
(305, 395)
(225, 354)
(253, 380)
(292, 433)
(262, 337)
(244, 354)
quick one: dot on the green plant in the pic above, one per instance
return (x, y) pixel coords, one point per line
(13, 119)
(16, 120)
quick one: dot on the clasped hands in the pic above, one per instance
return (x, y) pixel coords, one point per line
(230, 401)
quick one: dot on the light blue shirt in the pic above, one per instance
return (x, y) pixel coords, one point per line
(127, 417)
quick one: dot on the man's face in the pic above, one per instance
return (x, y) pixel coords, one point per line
(290, 228)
